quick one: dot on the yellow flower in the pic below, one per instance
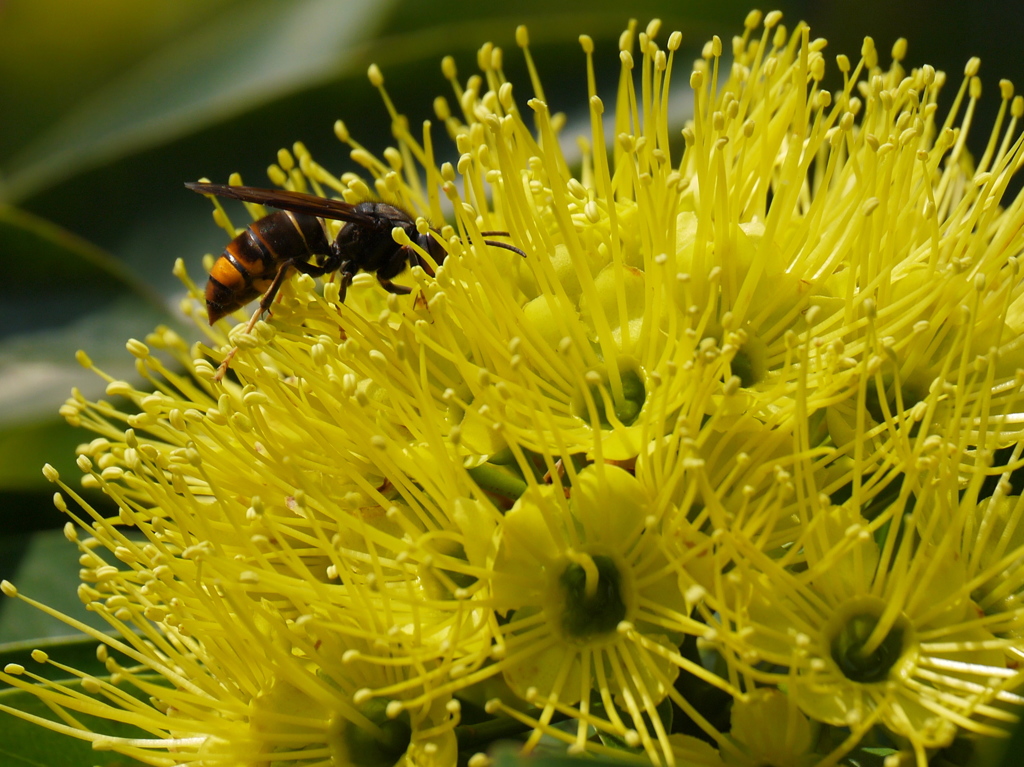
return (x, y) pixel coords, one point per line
(593, 599)
(994, 545)
(725, 423)
(883, 625)
(260, 644)
(770, 730)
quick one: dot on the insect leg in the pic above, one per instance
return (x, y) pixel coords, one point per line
(423, 264)
(346, 279)
(390, 287)
(265, 302)
(330, 264)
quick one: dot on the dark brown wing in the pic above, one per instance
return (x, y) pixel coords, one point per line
(321, 207)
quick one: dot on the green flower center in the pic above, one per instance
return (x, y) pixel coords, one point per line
(750, 361)
(589, 614)
(366, 749)
(849, 649)
(909, 396)
(745, 368)
(626, 410)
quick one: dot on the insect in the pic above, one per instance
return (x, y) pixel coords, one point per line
(257, 262)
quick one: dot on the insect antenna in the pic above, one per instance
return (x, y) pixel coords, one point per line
(503, 245)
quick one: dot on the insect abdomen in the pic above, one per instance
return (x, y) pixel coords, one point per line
(250, 262)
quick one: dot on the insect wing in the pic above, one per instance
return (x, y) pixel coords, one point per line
(321, 207)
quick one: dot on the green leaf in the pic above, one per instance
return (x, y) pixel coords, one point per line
(78, 652)
(54, 54)
(52, 276)
(38, 370)
(24, 744)
(1008, 751)
(47, 573)
(61, 294)
(26, 447)
(226, 67)
(867, 757)
(509, 757)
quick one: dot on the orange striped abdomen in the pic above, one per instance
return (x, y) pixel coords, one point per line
(250, 262)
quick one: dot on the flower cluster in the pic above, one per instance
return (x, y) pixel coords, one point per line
(718, 470)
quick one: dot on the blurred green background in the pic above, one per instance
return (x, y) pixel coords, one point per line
(108, 106)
